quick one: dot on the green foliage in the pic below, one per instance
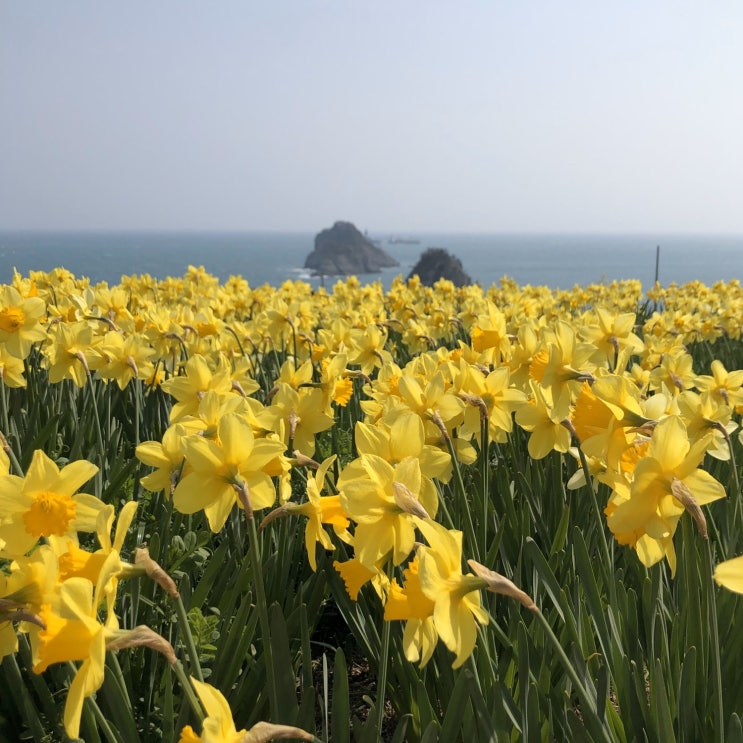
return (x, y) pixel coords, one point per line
(615, 652)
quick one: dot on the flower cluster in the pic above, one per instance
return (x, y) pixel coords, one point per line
(425, 377)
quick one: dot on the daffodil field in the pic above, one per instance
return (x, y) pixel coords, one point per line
(418, 514)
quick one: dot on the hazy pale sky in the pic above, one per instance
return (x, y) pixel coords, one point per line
(411, 115)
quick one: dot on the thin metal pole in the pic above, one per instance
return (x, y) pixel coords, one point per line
(657, 261)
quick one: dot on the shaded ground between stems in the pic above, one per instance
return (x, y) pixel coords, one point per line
(330, 634)
(362, 688)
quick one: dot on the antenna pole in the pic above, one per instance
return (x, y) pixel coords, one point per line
(657, 261)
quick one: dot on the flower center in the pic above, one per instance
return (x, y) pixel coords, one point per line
(50, 513)
(11, 318)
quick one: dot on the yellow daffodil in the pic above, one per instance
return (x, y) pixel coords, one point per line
(561, 364)
(545, 424)
(237, 458)
(219, 727)
(45, 503)
(730, 574)
(297, 416)
(367, 348)
(489, 334)
(675, 373)
(456, 597)
(31, 582)
(355, 574)
(189, 388)
(664, 483)
(20, 321)
(381, 499)
(489, 395)
(71, 353)
(72, 632)
(707, 417)
(79, 563)
(723, 384)
(11, 369)
(166, 457)
(125, 359)
(416, 609)
(613, 336)
(319, 510)
(404, 437)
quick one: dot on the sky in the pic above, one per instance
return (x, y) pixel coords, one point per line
(397, 115)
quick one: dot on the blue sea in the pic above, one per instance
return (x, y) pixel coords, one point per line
(553, 260)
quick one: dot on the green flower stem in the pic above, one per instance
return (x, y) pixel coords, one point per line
(608, 562)
(15, 681)
(484, 477)
(193, 653)
(4, 402)
(468, 525)
(103, 723)
(118, 676)
(260, 591)
(188, 690)
(734, 468)
(243, 494)
(714, 642)
(37, 681)
(100, 476)
(590, 717)
(13, 459)
(383, 664)
(100, 718)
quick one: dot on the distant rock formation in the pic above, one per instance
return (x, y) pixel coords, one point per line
(437, 263)
(342, 251)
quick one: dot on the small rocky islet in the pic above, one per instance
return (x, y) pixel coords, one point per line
(343, 250)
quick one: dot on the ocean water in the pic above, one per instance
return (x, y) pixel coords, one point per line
(553, 260)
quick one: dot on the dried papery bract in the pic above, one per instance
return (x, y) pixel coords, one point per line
(683, 495)
(498, 583)
(265, 731)
(143, 636)
(305, 461)
(11, 611)
(407, 502)
(152, 570)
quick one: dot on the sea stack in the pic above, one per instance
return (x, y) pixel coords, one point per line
(437, 263)
(342, 251)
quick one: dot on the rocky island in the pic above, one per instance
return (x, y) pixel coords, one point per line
(437, 263)
(342, 250)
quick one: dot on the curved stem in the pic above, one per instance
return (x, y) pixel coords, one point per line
(243, 495)
(100, 476)
(193, 653)
(587, 702)
(188, 690)
(714, 642)
(484, 473)
(383, 664)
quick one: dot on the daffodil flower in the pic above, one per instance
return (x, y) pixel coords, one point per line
(219, 727)
(730, 574)
(319, 510)
(410, 604)
(20, 321)
(456, 597)
(236, 459)
(381, 499)
(45, 503)
(664, 483)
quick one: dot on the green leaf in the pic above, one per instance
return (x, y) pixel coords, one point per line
(340, 712)
(735, 730)
(688, 720)
(456, 710)
(283, 667)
